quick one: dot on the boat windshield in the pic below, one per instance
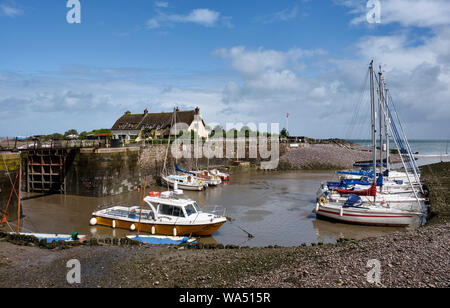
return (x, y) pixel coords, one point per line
(190, 209)
(197, 208)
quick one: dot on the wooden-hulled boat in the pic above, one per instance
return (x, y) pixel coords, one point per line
(166, 214)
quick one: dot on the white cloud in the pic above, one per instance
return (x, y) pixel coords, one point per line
(283, 15)
(152, 23)
(409, 13)
(90, 98)
(10, 10)
(269, 84)
(161, 4)
(203, 17)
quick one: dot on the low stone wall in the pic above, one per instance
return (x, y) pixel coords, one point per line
(152, 157)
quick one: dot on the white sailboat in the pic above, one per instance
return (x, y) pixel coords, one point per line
(392, 205)
(183, 181)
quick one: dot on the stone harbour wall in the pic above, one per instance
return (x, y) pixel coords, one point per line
(9, 169)
(103, 172)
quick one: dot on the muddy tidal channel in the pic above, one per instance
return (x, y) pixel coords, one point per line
(275, 207)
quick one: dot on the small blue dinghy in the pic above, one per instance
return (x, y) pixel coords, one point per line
(74, 237)
(162, 239)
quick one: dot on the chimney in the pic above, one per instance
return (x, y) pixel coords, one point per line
(145, 111)
(177, 109)
(197, 111)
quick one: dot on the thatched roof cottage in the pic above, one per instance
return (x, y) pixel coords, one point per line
(156, 125)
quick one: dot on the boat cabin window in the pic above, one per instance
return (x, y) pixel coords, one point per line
(172, 210)
(190, 209)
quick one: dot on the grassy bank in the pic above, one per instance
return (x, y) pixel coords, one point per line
(437, 181)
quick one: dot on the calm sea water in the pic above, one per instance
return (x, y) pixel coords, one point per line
(423, 147)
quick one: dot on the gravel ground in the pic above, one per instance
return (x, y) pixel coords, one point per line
(323, 156)
(416, 258)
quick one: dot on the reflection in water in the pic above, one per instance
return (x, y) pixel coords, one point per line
(275, 207)
(328, 231)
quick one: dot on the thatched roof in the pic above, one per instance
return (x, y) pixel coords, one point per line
(153, 120)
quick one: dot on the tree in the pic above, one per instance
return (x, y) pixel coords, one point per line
(83, 135)
(70, 132)
(284, 133)
(216, 131)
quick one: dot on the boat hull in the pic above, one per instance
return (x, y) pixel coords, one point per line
(162, 229)
(56, 237)
(182, 186)
(162, 239)
(363, 216)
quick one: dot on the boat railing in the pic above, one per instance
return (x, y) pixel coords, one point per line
(217, 210)
(108, 205)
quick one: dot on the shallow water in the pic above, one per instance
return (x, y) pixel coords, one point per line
(275, 207)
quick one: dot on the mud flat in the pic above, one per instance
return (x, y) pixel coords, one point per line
(412, 258)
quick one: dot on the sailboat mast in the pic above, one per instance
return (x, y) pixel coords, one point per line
(386, 131)
(380, 114)
(372, 104)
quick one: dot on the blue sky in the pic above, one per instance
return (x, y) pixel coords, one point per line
(239, 61)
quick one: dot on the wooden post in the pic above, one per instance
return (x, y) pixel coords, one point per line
(18, 206)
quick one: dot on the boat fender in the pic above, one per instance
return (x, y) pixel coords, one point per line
(114, 224)
(132, 227)
(153, 230)
(93, 221)
(317, 207)
(341, 212)
(174, 231)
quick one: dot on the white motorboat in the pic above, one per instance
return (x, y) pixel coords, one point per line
(165, 214)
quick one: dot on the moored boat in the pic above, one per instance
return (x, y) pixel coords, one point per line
(184, 182)
(389, 203)
(74, 237)
(222, 175)
(162, 239)
(165, 214)
(365, 214)
(205, 175)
